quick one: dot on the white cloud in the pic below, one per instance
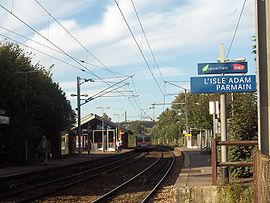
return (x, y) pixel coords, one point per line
(178, 31)
(143, 74)
(180, 28)
(30, 12)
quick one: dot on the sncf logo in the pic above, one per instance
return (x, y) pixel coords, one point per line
(238, 66)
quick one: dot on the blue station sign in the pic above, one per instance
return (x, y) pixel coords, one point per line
(223, 84)
(219, 68)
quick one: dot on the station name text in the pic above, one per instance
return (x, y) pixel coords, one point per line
(233, 83)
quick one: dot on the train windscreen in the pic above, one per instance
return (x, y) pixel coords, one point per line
(147, 139)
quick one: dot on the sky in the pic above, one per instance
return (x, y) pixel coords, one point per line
(91, 40)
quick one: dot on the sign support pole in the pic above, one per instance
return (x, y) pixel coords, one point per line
(223, 122)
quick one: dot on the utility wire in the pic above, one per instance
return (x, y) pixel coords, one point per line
(99, 94)
(177, 86)
(114, 73)
(56, 50)
(154, 58)
(144, 58)
(68, 55)
(30, 27)
(134, 107)
(53, 57)
(148, 44)
(90, 98)
(236, 28)
(73, 37)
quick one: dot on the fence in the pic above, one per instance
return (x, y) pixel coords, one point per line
(215, 163)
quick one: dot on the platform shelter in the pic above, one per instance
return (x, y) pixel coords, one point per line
(99, 134)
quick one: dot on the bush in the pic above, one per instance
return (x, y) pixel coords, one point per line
(235, 192)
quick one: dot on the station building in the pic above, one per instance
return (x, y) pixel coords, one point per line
(100, 134)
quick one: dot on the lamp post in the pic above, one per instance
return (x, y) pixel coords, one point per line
(26, 110)
(102, 119)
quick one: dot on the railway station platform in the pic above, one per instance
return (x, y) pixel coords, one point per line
(194, 183)
(9, 171)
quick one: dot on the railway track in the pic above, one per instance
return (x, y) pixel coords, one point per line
(141, 186)
(135, 177)
(45, 188)
(91, 190)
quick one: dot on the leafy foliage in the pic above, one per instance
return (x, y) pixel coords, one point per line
(187, 111)
(136, 127)
(235, 192)
(243, 126)
(35, 104)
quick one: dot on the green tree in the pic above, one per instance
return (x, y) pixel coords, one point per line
(187, 111)
(36, 105)
(135, 127)
(166, 130)
(243, 126)
(193, 109)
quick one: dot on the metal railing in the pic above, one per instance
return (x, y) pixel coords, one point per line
(215, 163)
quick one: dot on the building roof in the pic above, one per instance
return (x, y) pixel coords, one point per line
(93, 118)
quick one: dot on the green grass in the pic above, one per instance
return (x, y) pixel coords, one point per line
(235, 192)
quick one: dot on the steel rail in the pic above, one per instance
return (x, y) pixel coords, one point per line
(80, 180)
(12, 194)
(160, 181)
(110, 193)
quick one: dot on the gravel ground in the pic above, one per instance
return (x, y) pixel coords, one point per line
(165, 193)
(92, 190)
(89, 191)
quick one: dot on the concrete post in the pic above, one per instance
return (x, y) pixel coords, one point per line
(223, 123)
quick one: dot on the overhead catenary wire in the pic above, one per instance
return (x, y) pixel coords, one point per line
(104, 90)
(68, 55)
(148, 44)
(134, 107)
(41, 52)
(134, 38)
(65, 53)
(236, 28)
(102, 94)
(113, 72)
(99, 94)
(56, 50)
(170, 82)
(34, 30)
(73, 37)
(53, 57)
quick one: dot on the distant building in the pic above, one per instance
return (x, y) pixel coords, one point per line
(91, 126)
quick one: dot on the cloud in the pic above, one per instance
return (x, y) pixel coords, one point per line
(144, 73)
(180, 34)
(30, 12)
(184, 28)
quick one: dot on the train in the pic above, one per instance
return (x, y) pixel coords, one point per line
(143, 142)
